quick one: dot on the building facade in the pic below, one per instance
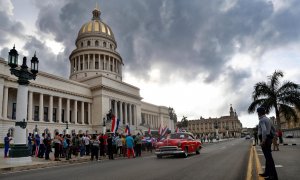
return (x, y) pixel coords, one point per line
(225, 126)
(94, 88)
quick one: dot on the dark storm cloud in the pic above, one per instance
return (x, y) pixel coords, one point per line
(48, 62)
(9, 27)
(186, 37)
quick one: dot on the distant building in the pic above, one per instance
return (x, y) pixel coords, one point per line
(227, 126)
(291, 124)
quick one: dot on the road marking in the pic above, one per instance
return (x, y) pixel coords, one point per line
(260, 154)
(258, 165)
(277, 166)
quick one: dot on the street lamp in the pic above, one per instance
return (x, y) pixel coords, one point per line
(20, 148)
(67, 128)
(35, 130)
(217, 129)
(104, 126)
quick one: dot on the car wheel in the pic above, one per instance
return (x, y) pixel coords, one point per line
(198, 150)
(159, 156)
(186, 153)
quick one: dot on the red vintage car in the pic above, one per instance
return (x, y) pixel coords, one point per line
(178, 144)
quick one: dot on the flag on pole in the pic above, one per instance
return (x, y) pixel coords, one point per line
(164, 131)
(118, 122)
(149, 131)
(127, 130)
(113, 124)
(159, 130)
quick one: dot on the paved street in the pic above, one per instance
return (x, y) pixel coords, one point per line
(224, 160)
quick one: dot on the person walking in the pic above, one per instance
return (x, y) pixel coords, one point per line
(279, 132)
(118, 140)
(255, 134)
(266, 142)
(130, 146)
(87, 144)
(7, 140)
(275, 143)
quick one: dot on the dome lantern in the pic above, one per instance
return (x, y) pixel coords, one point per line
(96, 13)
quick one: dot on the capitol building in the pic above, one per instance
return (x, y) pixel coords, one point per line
(95, 87)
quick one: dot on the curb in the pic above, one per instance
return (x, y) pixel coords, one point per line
(41, 165)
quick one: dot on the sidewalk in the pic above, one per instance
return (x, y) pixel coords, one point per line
(7, 166)
(286, 159)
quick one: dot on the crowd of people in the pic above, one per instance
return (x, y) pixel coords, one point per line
(96, 146)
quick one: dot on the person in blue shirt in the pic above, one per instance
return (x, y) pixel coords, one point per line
(130, 146)
(7, 139)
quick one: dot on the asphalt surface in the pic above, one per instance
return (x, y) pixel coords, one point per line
(224, 160)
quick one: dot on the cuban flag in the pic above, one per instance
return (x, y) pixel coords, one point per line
(164, 131)
(118, 122)
(149, 131)
(127, 130)
(113, 124)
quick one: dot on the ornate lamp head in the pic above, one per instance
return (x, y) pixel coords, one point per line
(34, 64)
(13, 58)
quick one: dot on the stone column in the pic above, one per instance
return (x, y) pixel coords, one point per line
(115, 108)
(89, 113)
(82, 112)
(75, 111)
(121, 112)
(126, 117)
(41, 108)
(1, 97)
(59, 120)
(5, 102)
(75, 62)
(30, 99)
(68, 111)
(50, 115)
(94, 61)
(130, 114)
(88, 59)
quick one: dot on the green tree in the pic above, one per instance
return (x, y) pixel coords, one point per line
(283, 97)
(183, 123)
(172, 114)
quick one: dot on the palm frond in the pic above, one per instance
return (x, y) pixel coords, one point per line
(288, 112)
(261, 89)
(274, 79)
(255, 104)
(288, 86)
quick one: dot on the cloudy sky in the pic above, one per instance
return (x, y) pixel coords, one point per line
(197, 56)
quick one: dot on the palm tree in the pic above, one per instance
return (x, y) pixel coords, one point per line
(284, 98)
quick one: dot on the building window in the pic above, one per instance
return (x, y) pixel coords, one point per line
(70, 120)
(54, 114)
(81, 44)
(86, 117)
(46, 114)
(14, 107)
(111, 47)
(96, 65)
(36, 113)
(104, 44)
(63, 115)
(81, 66)
(96, 43)
(88, 43)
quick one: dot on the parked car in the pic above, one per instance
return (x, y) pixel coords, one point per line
(178, 144)
(247, 137)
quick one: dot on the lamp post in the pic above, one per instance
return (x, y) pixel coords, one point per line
(217, 129)
(20, 148)
(227, 128)
(67, 128)
(104, 126)
(35, 130)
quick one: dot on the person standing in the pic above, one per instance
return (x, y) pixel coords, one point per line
(138, 140)
(95, 147)
(42, 146)
(110, 150)
(57, 142)
(279, 132)
(266, 142)
(87, 144)
(7, 140)
(255, 134)
(29, 143)
(130, 146)
(47, 143)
